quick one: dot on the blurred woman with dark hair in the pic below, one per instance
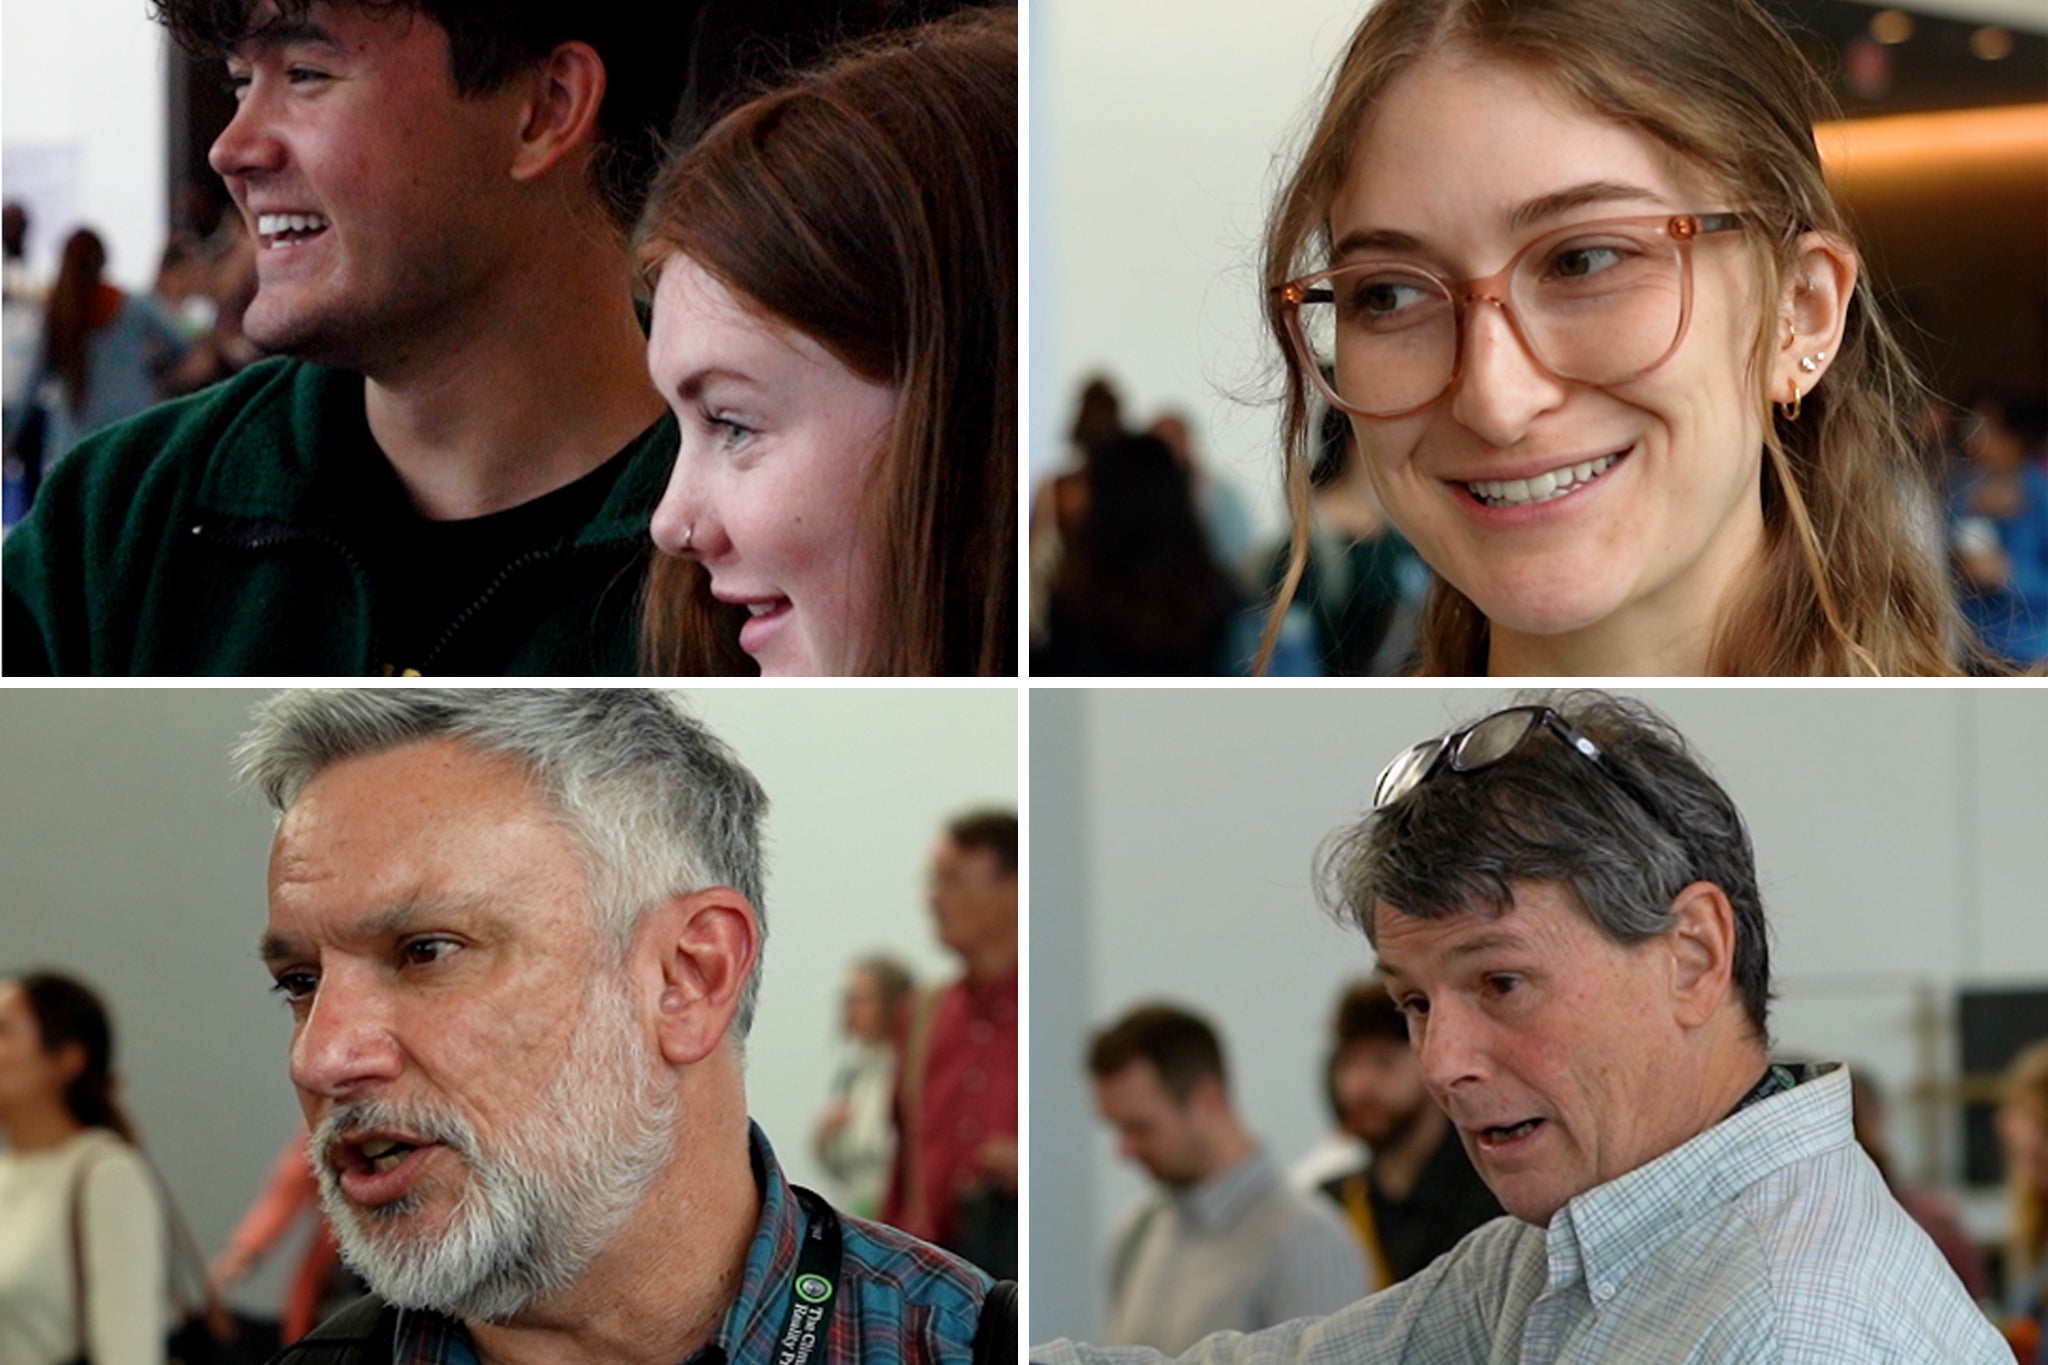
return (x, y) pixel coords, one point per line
(1138, 591)
(104, 350)
(82, 1272)
(835, 321)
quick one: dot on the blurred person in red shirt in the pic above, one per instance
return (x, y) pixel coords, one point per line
(955, 1179)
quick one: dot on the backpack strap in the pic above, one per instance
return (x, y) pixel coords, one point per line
(78, 1281)
(995, 1338)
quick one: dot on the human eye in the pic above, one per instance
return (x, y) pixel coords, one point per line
(1382, 299)
(1414, 1006)
(236, 82)
(294, 986)
(426, 950)
(306, 75)
(1581, 262)
(1607, 256)
(1499, 984)
(730, 432)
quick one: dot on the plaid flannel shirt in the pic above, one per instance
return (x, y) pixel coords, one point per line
(898, 1299)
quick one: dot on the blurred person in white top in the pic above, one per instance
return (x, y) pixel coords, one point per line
(68, 1140)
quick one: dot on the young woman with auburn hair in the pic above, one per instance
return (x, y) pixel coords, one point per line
(835, 327)
(1574, 272)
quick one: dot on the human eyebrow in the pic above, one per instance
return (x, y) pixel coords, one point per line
(277, 949)
(690, 385)
(1375, 239)
(1488, 942)
(1560, 202)
(282, 32)
(394, 921)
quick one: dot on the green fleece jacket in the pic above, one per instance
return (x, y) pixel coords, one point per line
(205, 537)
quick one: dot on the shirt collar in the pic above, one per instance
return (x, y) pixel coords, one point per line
(1222, 1199)
(1605, 1233)
(426, 1338)
(768, 1281)
(994, 992)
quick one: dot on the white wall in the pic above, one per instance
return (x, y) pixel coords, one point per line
(1155, 133)
(130, 858)
(82, 106)
(1897, 835)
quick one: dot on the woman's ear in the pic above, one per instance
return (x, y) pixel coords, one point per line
(698, 953)
(69, 1062)
(1813, 311)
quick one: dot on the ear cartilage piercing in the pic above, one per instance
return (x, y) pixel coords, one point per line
(1810, 363)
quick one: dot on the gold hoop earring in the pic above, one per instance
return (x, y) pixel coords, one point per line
(1790, 411)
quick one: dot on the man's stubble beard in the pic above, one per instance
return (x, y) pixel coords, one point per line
(538, 1207)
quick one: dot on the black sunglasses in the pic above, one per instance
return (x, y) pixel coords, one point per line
(1486, 742)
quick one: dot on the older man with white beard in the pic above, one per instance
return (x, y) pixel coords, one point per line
(520, 934)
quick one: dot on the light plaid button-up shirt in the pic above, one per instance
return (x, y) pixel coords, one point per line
(1769, 1239)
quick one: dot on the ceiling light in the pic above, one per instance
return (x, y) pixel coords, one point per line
(1891, 26)
(1991, 43)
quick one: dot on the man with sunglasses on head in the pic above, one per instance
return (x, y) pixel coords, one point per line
(1564, 904)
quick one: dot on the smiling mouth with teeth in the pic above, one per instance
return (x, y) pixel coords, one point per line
(1542, 488)
(286, 229)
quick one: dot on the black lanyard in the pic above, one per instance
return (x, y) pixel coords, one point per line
(815, 1286)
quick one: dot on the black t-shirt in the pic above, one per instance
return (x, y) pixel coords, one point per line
(426, 576)
(1448, 1201)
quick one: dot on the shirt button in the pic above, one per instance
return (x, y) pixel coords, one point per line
(968, 1128)
(974, 1081)
(1603, 1291)
(981, 1032)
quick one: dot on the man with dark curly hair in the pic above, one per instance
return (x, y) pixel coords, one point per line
(450, 464)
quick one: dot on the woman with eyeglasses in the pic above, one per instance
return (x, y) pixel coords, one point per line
(1572, 270)
(835, 327)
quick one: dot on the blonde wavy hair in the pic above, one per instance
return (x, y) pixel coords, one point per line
(1850, 585)
(2026, 1086)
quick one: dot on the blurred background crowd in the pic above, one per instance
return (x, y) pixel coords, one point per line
(83, 353)
(1145, 562)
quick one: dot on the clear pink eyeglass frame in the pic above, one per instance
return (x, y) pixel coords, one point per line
(1682, 228)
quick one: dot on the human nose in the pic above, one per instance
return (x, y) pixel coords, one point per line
(685, 523)
(345, 1044)
(1501, 388)
(1449, 1045)
(248, 145)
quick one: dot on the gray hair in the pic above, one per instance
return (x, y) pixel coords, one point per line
(658, 804)
(1457, 843)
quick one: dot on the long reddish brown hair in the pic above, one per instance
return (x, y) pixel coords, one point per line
(872, 206)
(72, 313)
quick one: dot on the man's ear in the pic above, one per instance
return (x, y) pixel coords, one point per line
(561, 114)
(1813, 312)
(1701, 941)
(696, 953)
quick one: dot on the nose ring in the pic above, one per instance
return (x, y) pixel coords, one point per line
(689, 534)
